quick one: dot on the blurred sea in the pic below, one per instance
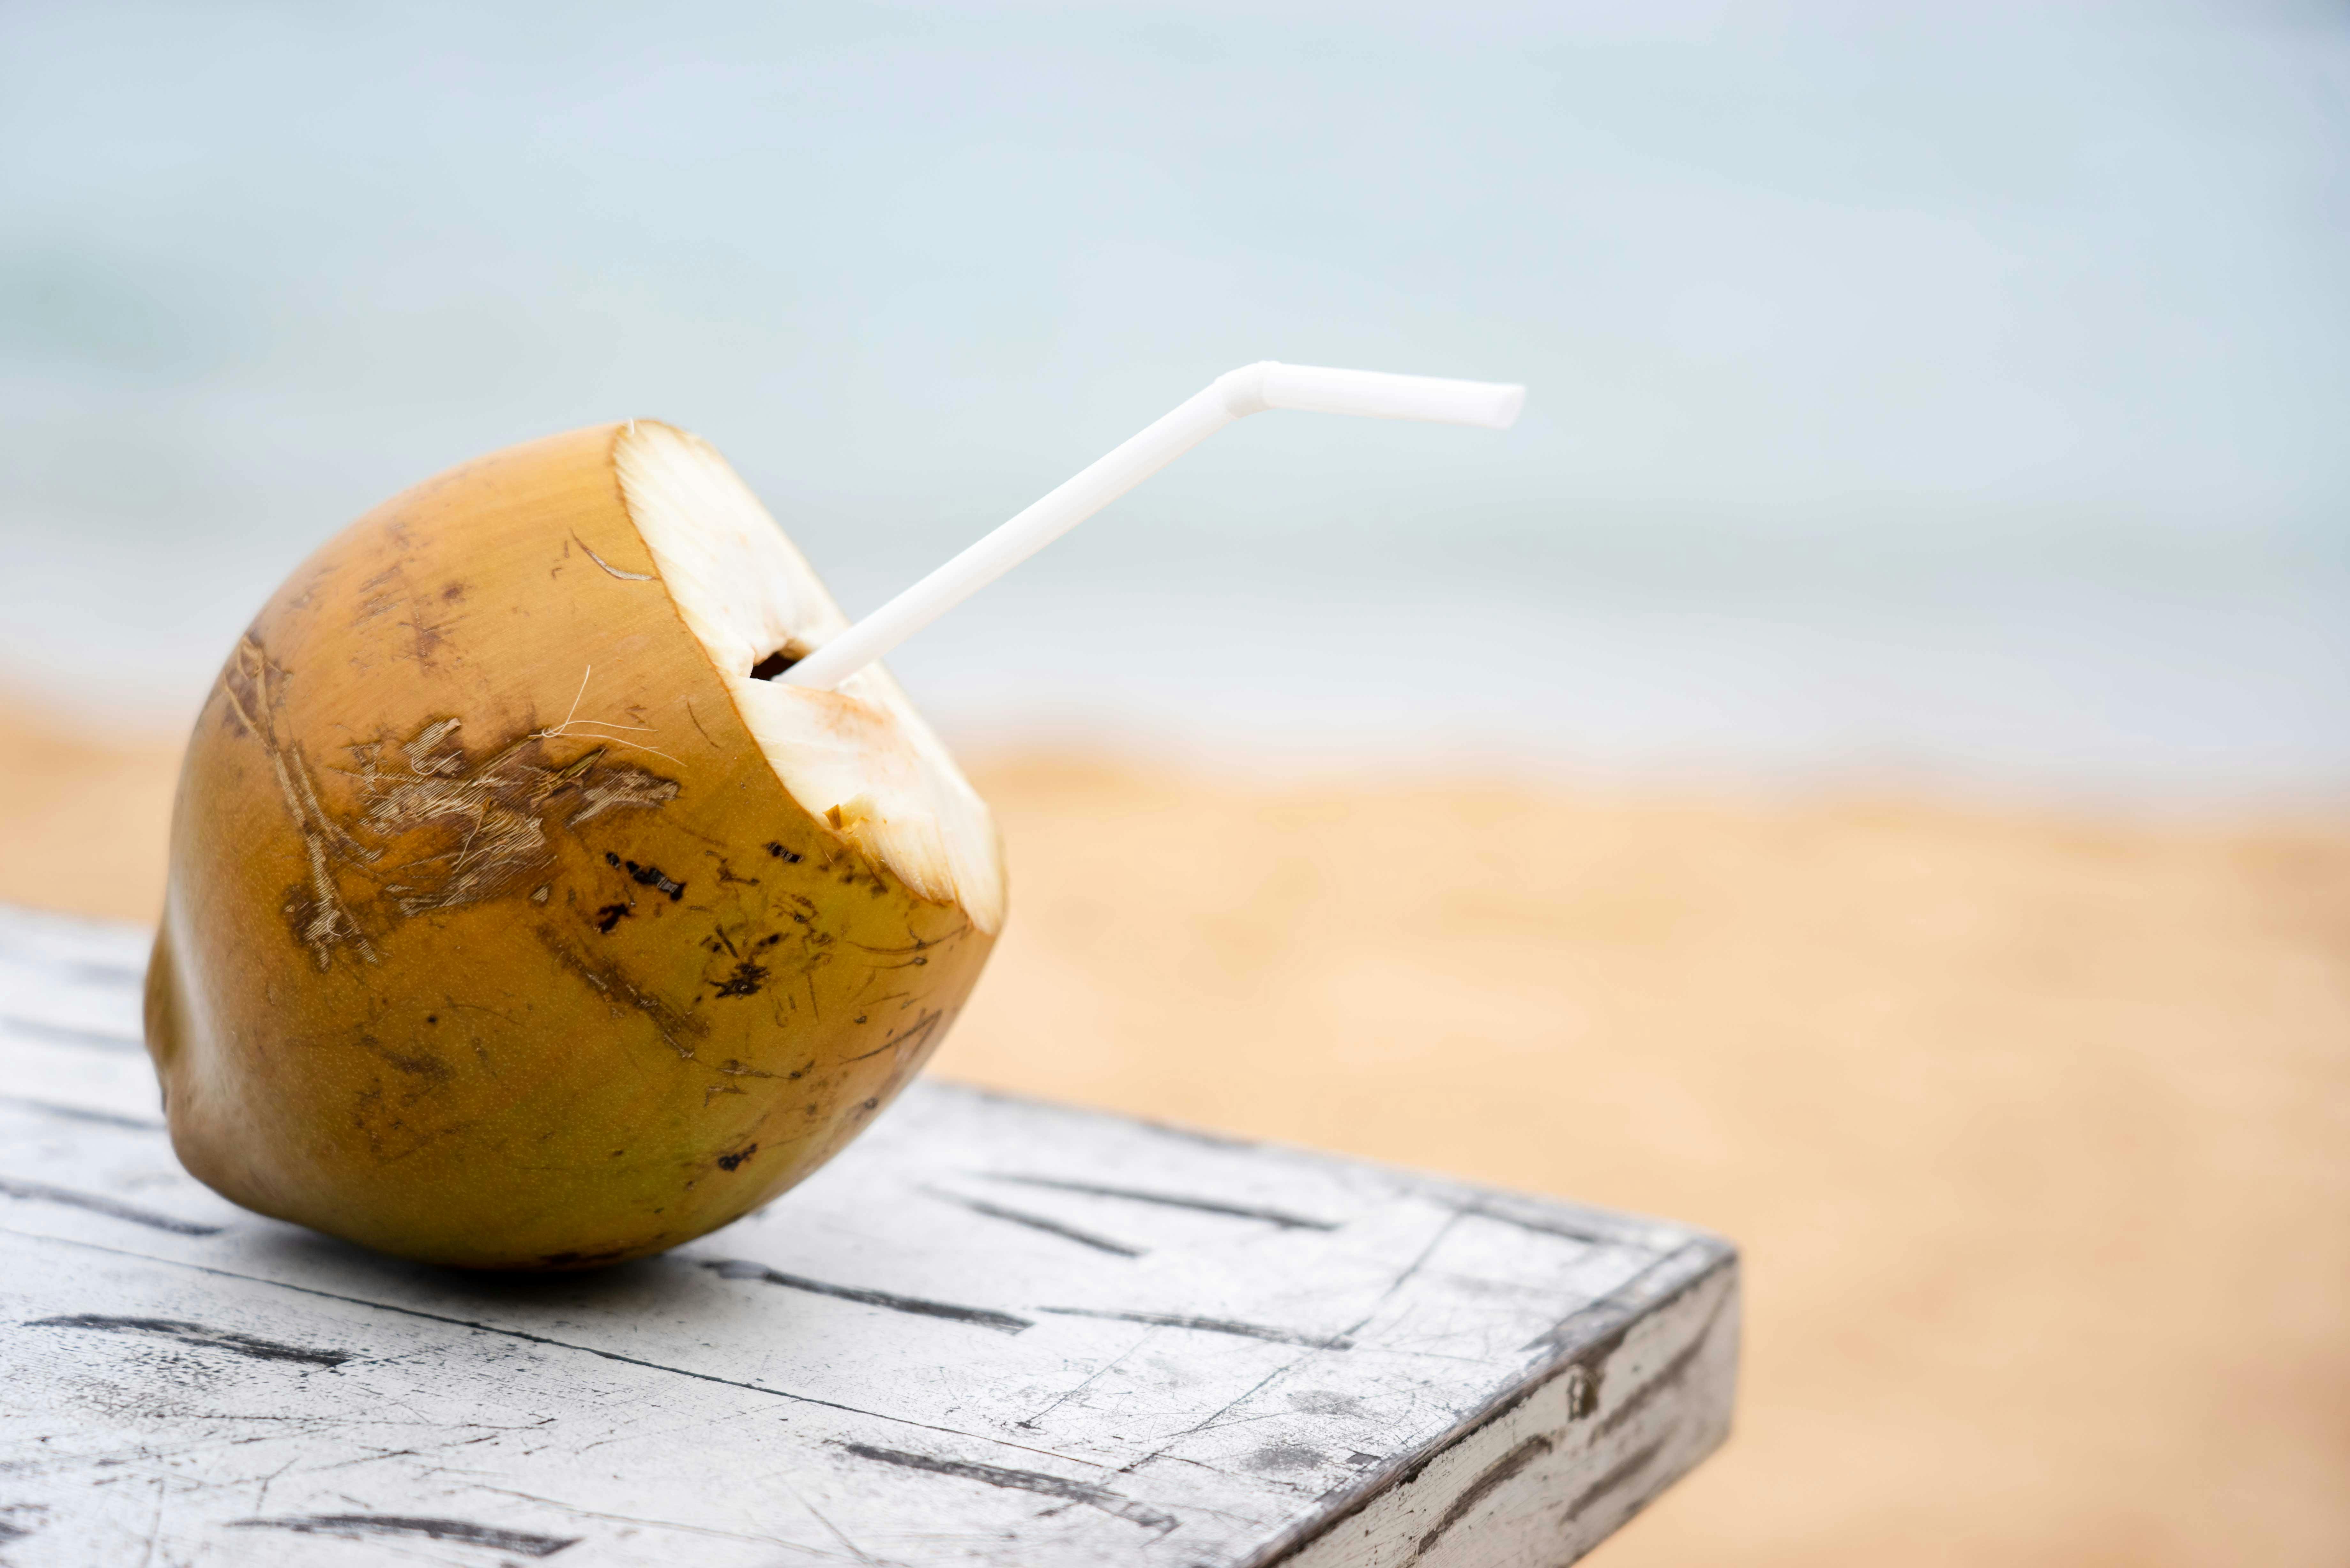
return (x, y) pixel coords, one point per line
(1950, 396)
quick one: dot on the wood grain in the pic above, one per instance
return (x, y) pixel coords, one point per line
(994, 1332)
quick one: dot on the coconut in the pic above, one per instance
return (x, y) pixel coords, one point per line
(518, 917)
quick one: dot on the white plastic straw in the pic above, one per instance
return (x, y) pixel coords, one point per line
(1250, 389)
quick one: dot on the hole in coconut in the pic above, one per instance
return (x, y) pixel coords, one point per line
(782, 658)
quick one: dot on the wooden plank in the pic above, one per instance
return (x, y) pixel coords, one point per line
(993, 1331)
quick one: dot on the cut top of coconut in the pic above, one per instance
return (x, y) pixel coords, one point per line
(857, 757)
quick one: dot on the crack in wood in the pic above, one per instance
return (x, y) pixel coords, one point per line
(1589, 1235)
(1282, 1218)
(1632, 1465)
(1099, 1243)
(979, 1317)
(641, 1521)
(1033, 1422)
(1035, 1481)
(1655, 1288)
(529, 1338)
(1674, 1369)
(1209, 1325)
(69, 1035)
(229, 1339)
(79, 1114)
(1490, 1481)
(92, 971)
(1596, 1328)
(42, 1192)
(1419, 1261)
(358, 1526)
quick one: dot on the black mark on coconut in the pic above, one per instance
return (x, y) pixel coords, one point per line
(788, 857)
(359, 1526)
(1035, 1481)
(647, 877)
(197, 1334)
(66, 1197)
(611, 915)
(745, 979)
(978, 1317)
(734, 1161)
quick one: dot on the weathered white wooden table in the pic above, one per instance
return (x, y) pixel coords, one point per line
(992, 1332)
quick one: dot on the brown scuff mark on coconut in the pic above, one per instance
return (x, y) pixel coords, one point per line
(502, 806)
(609, 982)
(498, 809)
(321, 921)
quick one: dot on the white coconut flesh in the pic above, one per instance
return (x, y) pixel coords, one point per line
(857, 758)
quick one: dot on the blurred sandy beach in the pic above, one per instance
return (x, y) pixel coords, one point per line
(2034, 1127)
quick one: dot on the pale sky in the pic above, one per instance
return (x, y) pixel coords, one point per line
(1783, 258)
(2025, 280)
